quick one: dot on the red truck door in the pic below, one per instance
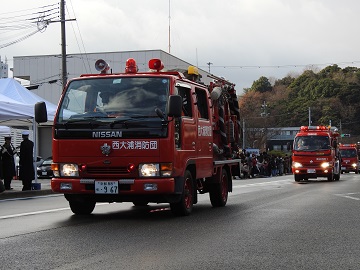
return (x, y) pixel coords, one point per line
(204, 135)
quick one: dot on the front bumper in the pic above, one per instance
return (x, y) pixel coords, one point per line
(129, 190)
(313, 172)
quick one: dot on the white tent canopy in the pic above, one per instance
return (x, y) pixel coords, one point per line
(17, 103)
(4, 131)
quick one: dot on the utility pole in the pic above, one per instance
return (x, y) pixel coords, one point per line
(243, 142)
(264, 108)
(169, 26)
(63, 43)
(209, 65)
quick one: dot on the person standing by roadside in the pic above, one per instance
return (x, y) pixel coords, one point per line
(8, 163)
(26, 161)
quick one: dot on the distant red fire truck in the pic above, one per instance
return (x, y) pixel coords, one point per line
(316, 153)
(349, 158)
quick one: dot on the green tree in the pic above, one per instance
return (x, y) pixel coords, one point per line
(261, 85)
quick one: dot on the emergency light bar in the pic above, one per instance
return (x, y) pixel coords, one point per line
(307, 128)
(156, 64)
(347, 144)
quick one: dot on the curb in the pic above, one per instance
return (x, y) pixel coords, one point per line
(24, 194)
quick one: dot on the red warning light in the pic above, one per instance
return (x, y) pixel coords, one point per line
(131, 66)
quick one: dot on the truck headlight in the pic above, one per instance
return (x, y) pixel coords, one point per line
(155, 169)
(325, 165)
(68, 169)
(149, 170)
(297, 165)
(354, 165)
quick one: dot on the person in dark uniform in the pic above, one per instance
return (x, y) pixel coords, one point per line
(8, 163)
(26, 161)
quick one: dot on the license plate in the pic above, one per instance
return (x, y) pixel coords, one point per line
(106, 187)
(44, 173)
(311, 171)
(343, 168)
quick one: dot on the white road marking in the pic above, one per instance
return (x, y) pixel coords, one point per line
(348, 195)
(41, 212)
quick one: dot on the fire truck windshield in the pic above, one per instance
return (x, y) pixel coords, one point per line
(311, 143)
(348, 153)
(104, 98)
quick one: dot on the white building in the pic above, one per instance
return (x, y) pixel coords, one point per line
(44, 72)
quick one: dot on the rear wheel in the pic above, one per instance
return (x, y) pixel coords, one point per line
(219, 191)
(185, 205)
(82, 207)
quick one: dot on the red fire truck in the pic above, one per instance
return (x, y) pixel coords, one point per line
(316, 153)
(349, 158)
(144, 137)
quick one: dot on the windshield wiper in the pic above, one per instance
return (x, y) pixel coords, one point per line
(133, 119)
(120, 121)
(92, 121)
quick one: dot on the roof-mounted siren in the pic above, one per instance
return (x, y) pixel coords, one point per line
(130, 66)
(156, 64)
(102, 66)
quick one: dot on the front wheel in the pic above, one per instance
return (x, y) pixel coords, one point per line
(140, 203)
(82, 207)
(330, 177)
(297, 177)
(337, 177)
(185, 205)
(219, 191)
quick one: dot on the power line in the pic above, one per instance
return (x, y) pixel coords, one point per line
(281, 66)
(25, 23)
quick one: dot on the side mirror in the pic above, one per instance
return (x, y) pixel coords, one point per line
(40, 112)
(174, 106)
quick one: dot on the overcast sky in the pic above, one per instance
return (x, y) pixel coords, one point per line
(243, 39)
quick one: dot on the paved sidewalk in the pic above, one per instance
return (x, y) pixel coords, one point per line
(41, 187)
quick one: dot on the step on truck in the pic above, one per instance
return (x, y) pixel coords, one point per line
(144, 137)
(316, 153)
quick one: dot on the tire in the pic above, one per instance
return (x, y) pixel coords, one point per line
(82, 207)
(185, 205)
(331, 177)
(297, 177)
(219, 191)
(140, 203)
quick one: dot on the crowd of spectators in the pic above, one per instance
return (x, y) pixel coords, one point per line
(264, 164)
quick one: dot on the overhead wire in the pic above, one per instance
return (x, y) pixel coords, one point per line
(87, 62)
(17, 27)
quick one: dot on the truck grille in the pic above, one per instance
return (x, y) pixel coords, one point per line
(107, 170)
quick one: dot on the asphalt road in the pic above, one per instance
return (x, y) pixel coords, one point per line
(268, 223)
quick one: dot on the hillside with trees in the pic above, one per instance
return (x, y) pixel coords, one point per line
(332, 94)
